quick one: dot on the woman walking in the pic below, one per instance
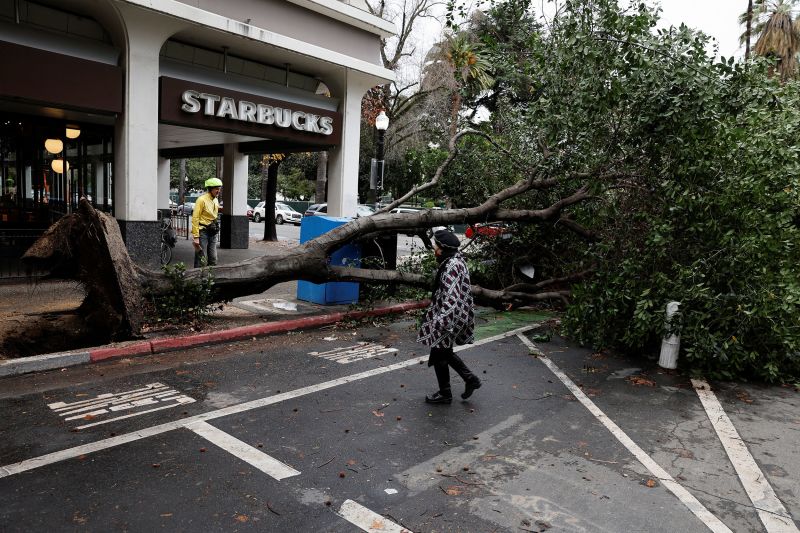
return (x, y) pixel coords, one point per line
(450, 320)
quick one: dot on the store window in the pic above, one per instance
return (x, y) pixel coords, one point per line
(47, 166)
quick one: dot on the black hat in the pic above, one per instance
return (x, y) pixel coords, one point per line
(446, 240)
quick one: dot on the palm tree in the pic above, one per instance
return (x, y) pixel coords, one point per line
(468, 71)
(778, 29)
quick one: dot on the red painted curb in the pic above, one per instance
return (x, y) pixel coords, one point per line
(141, 348)
(244, 332)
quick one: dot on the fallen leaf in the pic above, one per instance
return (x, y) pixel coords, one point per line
(376, 525)
(88, 417)
(377, 413)
(242, 518)
(639, 380)
(651, 483)
(166, 515)
(453, 491)
(351, 462)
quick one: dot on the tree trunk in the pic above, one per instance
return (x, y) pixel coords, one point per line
(322, 177)
(181, 182)
(271, 186)
(88, 247)
(748, 30)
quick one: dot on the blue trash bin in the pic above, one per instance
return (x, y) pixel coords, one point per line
(335, 292)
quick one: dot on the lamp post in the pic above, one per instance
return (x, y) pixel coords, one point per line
(376, 181)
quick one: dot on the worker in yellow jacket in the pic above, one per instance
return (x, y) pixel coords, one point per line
(205, 227)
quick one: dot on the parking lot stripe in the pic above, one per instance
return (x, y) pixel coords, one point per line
(693, 504)
(111, 442)
(771, 511)
(267, 464)
(367, 520)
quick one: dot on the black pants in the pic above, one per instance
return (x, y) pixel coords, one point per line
(441, 359)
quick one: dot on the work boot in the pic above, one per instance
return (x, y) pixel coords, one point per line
(438, 397)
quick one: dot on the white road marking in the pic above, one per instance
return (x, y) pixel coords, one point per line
(103, 404)
(712, 522)
(102, 398)
(111, 442)
(773, 514)
(349, 354)
(180, 401)
(267, 464)
(366, 520)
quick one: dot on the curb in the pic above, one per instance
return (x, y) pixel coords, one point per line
(37, 363)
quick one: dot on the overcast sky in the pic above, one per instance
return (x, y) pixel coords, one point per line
(717, 18)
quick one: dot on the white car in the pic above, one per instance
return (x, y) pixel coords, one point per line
(283, 213)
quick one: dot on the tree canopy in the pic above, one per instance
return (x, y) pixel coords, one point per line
(692, 168)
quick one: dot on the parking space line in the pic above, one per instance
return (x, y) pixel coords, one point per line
(267, 464)
(773, 514)
(693, 504)
(111, 442)
(367, 520)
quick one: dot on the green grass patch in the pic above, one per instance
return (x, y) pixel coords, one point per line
(490, 323)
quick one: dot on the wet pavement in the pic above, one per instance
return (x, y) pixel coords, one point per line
(361, 451)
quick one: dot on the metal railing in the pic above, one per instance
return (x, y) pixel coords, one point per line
(13, 245)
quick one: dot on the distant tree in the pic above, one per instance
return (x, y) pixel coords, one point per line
(777, 26)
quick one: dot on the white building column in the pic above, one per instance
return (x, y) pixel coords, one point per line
(136, 193)
(235, 230)
(343, 159)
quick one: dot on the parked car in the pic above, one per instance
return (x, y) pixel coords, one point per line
(186, 208)
(363, 210)
(405, 210)
(316, 209)
(283, 213)
(491, 230)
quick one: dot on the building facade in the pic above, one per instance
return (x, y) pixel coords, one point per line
(97, 96)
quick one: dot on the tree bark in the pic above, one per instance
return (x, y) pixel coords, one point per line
(748, 30)
(322, 177)
(271, 186)
(182, 182)
(74, 247)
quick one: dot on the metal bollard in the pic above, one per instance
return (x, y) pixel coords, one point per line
(671, 344)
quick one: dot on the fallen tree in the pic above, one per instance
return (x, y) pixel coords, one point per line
(87, 247)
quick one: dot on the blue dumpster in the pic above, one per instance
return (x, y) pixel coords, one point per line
(336, 292)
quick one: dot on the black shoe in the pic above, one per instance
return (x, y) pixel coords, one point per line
(437, 397)
(469, 388)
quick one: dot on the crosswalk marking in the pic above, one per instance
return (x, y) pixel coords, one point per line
(349, 354)
(267, 464)
(153, 394)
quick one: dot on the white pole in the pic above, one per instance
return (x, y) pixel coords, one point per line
(671, 344)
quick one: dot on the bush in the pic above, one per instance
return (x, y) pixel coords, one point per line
(189, 301)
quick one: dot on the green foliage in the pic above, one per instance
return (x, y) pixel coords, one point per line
(293, 184)
(189, 301)
(694, 168)
(198, 170)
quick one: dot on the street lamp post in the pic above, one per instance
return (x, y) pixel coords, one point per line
(376, 181)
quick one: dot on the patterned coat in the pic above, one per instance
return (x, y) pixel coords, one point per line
(450, 319)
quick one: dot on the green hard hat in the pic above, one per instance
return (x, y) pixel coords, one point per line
(213, 182)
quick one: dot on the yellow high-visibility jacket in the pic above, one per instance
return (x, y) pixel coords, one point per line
(206, 209)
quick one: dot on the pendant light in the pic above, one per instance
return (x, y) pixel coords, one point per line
(54, 146)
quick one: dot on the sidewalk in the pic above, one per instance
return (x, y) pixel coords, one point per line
(276, 310)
